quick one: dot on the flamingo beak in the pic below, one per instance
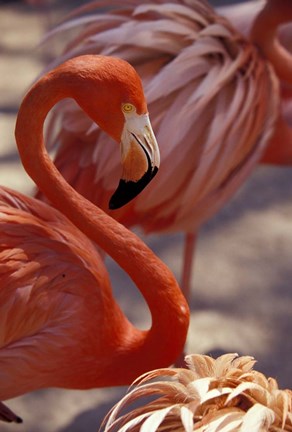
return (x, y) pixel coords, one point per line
(140, 159)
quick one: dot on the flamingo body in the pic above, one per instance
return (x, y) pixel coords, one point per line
(57, 310)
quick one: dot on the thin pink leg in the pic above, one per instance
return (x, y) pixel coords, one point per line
(189, 251)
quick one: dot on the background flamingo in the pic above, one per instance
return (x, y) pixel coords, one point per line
(60, 324)
(196, 69)
(252, 19)
(212, 395)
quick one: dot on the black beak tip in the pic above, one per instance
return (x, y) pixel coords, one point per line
(127, 190)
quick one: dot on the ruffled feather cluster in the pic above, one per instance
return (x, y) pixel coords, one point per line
(224, 394)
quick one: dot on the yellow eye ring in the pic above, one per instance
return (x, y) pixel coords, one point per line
(128, 108)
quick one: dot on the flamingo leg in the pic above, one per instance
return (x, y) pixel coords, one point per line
(189, 250)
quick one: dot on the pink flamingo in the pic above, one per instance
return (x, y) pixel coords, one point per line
(214, 99)
(60, 325)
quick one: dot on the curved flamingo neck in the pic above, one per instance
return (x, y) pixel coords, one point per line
(264, 35)
(170, 316)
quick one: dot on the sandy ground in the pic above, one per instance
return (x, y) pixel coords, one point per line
(241, 299)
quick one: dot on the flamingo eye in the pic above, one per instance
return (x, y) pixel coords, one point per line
(128, 108)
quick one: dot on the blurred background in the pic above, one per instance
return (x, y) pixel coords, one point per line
(241, 298)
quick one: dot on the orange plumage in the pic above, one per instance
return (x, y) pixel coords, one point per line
(60, 325)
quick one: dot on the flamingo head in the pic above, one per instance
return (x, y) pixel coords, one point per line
(111, 93)
(139, 154)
